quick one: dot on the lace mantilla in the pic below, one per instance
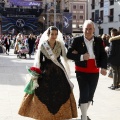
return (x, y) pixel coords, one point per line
(57, 50)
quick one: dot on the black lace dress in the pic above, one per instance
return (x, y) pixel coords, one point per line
(54, 89)
(53, 99)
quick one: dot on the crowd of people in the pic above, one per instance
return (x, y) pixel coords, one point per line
(29, 41)
(53, 91)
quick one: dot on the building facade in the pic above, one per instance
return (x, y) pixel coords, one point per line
(79, 10)
(67, 15)
(56, 12)
(105, 14)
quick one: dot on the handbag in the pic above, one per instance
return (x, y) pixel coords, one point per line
(29, 88)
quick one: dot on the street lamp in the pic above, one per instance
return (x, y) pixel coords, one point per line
(99, 22)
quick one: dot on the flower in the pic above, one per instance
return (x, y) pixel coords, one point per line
(34, 71)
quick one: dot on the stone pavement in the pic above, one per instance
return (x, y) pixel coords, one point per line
(12, 82)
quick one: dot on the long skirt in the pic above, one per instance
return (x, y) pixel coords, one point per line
(53, 99)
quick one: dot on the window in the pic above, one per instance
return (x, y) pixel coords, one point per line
(73, 25)
(81, 17)
(111, 17)
(101, 3)
(100, 31)
(93, 4)
(74, 17)
(81, 7)
(111, 2)
(74, 6)
(101, 15)
(93, 16)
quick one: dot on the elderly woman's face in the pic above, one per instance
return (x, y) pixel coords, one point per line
(88, 31)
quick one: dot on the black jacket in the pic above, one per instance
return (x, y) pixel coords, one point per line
(80, 46)
(114, 51)
(5, 42)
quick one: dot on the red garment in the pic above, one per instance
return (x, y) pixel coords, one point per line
(91, 67)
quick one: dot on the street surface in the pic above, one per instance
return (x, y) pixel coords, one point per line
(106, 104)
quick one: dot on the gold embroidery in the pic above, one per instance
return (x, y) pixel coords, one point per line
(34, 108)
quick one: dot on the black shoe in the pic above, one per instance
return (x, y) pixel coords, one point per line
(88, 118)
(113, 87)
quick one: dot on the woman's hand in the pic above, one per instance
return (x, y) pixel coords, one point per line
(74, 52)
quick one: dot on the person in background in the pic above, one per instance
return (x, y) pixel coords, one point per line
(89, 55)
(105, 39)
(26, 40)
(31, 43)
(18, 41)
(37, 41)
(114, 57)
(7, 44)
(19, 38)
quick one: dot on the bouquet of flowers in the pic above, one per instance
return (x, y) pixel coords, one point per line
(34, 73)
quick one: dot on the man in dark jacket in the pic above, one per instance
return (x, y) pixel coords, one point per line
(31, 43)
(89, 55)
(114, 57)
(7, 44)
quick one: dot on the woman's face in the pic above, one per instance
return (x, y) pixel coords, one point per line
(53, 35)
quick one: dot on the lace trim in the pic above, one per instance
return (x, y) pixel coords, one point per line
(57, 50)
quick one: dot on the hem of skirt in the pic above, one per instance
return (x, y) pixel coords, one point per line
(38, 118)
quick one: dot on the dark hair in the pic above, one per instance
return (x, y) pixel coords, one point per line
(114, 31)
(51, 28)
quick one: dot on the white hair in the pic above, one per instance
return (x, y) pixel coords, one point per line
(88, 22)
